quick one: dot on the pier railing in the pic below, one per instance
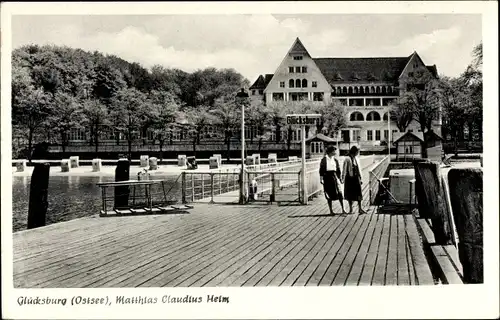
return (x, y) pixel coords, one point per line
(198, 185)
(376, 175)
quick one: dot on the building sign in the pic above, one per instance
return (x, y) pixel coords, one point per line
(303, 119)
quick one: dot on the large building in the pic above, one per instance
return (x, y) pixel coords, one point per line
(365, 86)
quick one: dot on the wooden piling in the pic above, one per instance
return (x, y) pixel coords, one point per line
(37, 209)
(122, 173)
(466, 196)
(431, 201)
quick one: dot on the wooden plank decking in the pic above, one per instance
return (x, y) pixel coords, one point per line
(231, 245)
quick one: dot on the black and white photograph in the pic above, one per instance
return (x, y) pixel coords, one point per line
(167, 156)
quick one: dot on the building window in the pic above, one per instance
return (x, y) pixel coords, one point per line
(386, 135)
(410, 130)
(278, 96)
(356, 116)
(385, 117)
(297, 83)
(369, 135)
(291, 83)
(304, 83)
(290, 69)
(261, 91)
(356, 135)
(317, 96)
(315, 85)
(297, 58)
(77, 134)
(297, 69)
(253, 92)
(304, 69)
(410, 74)
(373, 116)
(377, 135)
(282, 84)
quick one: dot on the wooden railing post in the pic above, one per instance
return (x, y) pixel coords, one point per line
(431, 200)
(272, 198)
(202, 185)
(192, 187)
(183, 187)
(212, 187)
(466, 197)
(38, 202)
(122, 173)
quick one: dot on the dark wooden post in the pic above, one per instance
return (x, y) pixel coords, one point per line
(466, 196)
(183, 191)
(431, 201)
(37, 209)
(122, 173)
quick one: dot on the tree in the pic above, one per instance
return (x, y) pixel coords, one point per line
(29, 111)
(162, 115)
(457, 107)
(64, 115)
(422, 95)
(333, 117)
(96, 117)
(473, 78)
(227, 114)
(130, 109)
(257, 115)
(402, 111)
(198, 119)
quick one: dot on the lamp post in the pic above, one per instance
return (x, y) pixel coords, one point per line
(241, 98)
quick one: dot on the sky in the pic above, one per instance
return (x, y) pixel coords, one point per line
(256, 44)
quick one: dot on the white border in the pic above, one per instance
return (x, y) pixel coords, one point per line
(471, 301)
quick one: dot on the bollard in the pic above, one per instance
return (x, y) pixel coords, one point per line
(65, 165)
(37, 209)
(250, 161)
(21, 165)
(213, 163)
(74, 161)
(122, 173)
(144, 161)
(272, 158)
(466, 197)
(96, 165)
(181, 160)
(256, 157)
(153, 163)
(431, 200)
(219, 158)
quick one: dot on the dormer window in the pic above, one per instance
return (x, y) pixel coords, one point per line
(297, 57)
(338, 76)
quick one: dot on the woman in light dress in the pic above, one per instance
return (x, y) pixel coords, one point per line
(351, 176)
(330, 174)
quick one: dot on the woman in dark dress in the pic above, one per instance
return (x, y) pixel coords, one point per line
(329, 171)
(351, 176)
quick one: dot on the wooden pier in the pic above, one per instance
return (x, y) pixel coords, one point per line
(225, 245)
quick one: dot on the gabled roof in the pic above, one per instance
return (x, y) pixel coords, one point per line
(321, 137)
(342, 70)
(432, 134)
(261, 82)
(298, 48)
(418, 136)
(433, 70)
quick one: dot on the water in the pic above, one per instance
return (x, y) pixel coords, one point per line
(69, 197)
